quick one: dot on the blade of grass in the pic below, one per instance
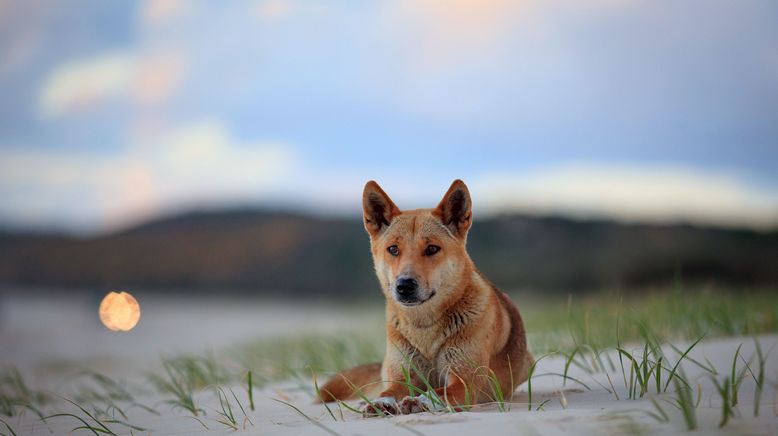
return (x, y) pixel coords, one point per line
(7, 426)
(86, 425)
(251, 391)
(318, 394)
(736, 378)
(675, 367)
(311, 420)
(540, 406)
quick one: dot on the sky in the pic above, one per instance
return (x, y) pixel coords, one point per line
(116, 112)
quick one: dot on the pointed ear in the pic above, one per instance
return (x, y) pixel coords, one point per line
(454, 211)
(378, 209)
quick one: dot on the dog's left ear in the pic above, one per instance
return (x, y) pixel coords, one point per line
(454, 211)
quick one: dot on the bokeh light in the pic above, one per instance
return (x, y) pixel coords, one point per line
(119, 311)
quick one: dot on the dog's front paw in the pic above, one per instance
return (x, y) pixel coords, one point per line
(418, 404)
(381, 406)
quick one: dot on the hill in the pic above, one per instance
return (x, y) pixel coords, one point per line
(283, 253)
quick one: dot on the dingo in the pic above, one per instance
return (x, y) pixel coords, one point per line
(444, 320)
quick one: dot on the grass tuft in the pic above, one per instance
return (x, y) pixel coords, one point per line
(225, 412)
(178, 383)
(684, 402)
(16, 395)
(96, 426)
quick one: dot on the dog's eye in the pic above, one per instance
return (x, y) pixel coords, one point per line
(393, 250)
(431, 249)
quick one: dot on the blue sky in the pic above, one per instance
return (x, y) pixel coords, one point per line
(114, 112)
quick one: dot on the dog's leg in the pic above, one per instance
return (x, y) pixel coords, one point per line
(420, 403)
(394, 369)
(387, 401)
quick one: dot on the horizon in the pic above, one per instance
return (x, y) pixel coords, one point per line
(313, 213)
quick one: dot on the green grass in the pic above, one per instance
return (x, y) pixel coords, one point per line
(644, 325)
(580, 327)
(728, 388)
(562, 324)
(759, 376)
(289, 357)
(582, 330)
(182, 377)
(8, 428)
(17, 396)
(106, 395)
(311, 420)
(89, 422)
(250, 390)
(685, 403)
(226, 415)
(315, 381)
(497, 394)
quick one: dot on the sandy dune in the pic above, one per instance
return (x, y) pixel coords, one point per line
(567, 408)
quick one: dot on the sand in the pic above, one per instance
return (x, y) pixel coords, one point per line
(568, 408)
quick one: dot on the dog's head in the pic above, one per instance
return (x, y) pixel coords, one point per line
(418, 254)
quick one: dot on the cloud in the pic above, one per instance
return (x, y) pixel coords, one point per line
(194, 164)
(202, 161)
(272, 9)
(79, 85)
(157, 11)
(201, 165)
(632, 193)
(157, 77)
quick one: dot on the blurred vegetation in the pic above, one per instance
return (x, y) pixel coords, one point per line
(666, 316)
(580, 329)
(556, 324)
(294, 254)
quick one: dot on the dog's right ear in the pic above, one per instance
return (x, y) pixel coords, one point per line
(378, 209)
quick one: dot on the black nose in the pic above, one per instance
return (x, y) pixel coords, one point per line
(406, 286)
